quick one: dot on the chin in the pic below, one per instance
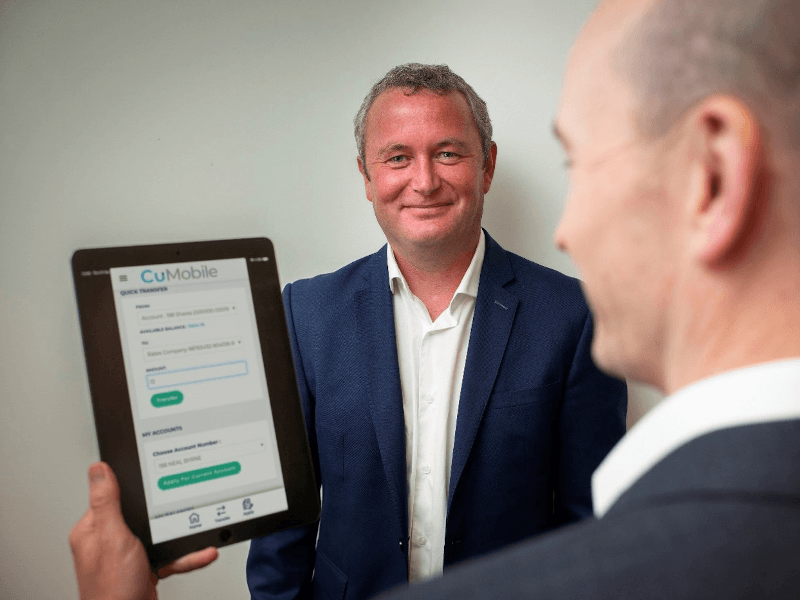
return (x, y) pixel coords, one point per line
(605, 355)
(434, 239)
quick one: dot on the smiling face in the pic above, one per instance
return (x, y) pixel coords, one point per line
(620, 219)
(425, 173)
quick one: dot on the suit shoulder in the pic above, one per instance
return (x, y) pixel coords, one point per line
(544, 283)
(327, 287)
(524, 268)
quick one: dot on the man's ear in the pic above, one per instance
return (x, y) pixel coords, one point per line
(727, 160)
(363, 170)
(488, 167)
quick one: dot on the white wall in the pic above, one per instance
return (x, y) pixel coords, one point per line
(152, 121)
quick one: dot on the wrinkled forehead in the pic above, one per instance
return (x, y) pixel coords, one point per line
(403, 109)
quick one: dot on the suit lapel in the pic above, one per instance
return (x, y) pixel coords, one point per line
(491, 326)
(375, 318)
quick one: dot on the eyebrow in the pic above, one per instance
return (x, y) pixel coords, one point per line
(398, 147)
(560, 136)
(393, 148)
(461, 145)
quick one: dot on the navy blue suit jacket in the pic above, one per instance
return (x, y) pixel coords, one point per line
(535, 419)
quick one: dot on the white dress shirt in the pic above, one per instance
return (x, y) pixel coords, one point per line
(431, 357)
(758, 394)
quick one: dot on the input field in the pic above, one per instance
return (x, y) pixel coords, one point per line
(154, 317)
(159, 353)
(199, 374)
(198, 458)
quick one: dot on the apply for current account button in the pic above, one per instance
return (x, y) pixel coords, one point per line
(166, 399)
(199, 475)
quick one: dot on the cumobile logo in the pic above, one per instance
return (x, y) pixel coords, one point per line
(149, 276)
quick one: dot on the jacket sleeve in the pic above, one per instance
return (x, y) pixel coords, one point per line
(591, 422)
(280, 565)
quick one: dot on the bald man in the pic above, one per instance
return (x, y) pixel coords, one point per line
(680, 119)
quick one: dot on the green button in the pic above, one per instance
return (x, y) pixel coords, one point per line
(166, 399)
(199, 475)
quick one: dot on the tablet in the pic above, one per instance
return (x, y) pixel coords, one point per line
(194, 392)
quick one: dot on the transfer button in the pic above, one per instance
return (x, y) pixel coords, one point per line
(166, 399)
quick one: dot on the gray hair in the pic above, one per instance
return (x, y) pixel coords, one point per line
(682, 51)
(415, 77)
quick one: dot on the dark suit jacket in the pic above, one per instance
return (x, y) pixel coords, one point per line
(717, 518)
(535, 418)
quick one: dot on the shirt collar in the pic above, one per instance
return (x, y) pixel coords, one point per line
(757, 394)
(469, 283)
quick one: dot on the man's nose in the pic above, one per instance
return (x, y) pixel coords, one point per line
(558, 236)
(426, 179)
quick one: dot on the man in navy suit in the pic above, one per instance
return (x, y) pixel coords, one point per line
(451, 401)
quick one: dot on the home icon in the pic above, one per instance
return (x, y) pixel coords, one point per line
(194, 518)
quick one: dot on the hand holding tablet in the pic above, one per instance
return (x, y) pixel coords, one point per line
(109, 560)
(194, 393)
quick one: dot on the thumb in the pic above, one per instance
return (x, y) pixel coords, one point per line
(103, 490)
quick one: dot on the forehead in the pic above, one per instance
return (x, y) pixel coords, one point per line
(598, 103)
(397, 113)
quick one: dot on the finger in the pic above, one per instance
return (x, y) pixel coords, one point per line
(103, 490)
(190, 562)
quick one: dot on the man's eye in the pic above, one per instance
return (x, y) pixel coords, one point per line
(447, 155)
(396, 159)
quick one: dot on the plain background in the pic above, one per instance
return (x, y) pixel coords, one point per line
(128, 122)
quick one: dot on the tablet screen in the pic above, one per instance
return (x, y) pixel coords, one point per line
(194, 393)
(199, 396)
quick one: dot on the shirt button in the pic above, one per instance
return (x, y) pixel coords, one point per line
(423, 541)
(429, 399)
(426, 470)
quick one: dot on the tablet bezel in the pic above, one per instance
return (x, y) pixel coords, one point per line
(111, 401)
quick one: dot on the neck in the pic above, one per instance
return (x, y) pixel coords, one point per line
(731, 326)
(434, 275)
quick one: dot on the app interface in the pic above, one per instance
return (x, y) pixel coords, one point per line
(198, 390)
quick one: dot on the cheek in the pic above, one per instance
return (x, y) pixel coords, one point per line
(582, 224)
(386, 184)
(477, 182)
(604, 241)
(465, 178)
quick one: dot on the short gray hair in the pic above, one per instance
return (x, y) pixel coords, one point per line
(415, 77)
(682, 51)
